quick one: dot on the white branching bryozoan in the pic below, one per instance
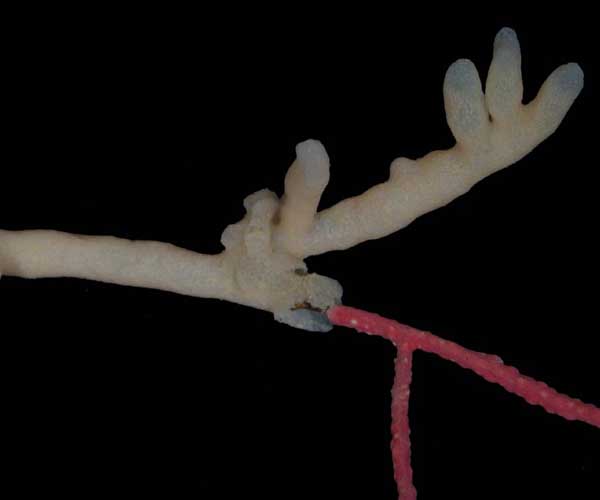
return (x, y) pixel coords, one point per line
(262, 265)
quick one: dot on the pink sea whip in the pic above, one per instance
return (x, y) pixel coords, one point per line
(490, 367)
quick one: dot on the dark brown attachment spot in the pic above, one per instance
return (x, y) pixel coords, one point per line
(306, 305)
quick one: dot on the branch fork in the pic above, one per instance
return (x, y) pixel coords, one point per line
(262, 265)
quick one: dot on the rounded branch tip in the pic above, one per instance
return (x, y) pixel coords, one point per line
(462, 74)
(314, 162)
(556, 96)
(464, 101)
(570, 78)
(311, 150)
(506, 46)
(506, 36)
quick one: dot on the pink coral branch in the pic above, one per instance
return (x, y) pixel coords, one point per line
(401, 425)
(490, 367)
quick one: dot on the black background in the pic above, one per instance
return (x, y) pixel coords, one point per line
(150, 127)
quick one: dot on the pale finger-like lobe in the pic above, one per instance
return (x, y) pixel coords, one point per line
(555, 98)
(314, 164)
(504, 84)
(304, 183)
(466, 111)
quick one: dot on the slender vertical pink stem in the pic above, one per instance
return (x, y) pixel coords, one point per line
(401, 425)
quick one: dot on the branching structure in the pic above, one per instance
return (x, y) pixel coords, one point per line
(490, 367)
(263, 266)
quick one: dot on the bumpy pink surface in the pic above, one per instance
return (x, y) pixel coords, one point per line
(490, 367)
(401, 425)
